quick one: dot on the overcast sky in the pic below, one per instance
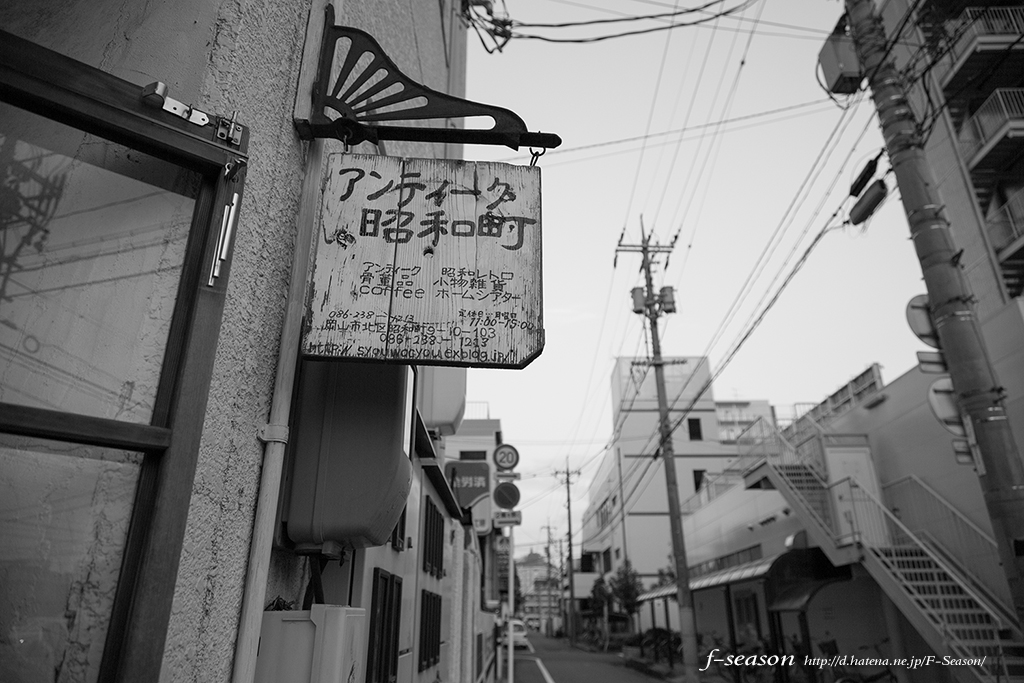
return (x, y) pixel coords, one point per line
(756, 188)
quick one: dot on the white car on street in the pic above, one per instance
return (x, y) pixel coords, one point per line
(518, 633)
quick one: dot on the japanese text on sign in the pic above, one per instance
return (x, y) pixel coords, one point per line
(427, 261)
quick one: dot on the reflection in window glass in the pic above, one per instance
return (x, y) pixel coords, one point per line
(93, 237)
(64, 512)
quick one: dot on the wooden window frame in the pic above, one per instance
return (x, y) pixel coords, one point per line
(385, 617)
(430, 629)
(433, 539)
(69, 92)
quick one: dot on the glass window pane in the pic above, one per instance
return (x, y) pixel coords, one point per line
(64, 512)
(93, 238)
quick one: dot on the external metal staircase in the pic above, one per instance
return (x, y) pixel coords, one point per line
(956, 618)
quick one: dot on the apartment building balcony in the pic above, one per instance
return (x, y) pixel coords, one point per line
(986, 51)
(1006, 230)
(992, 140)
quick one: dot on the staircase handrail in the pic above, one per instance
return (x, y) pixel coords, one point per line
(812, 468)
(952, 641)
(968, 537)
(993, 601)
(945, 503)
(890, 517)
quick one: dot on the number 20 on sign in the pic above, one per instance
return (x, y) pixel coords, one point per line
(506, 457)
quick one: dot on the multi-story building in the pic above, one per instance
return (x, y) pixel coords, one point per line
(164, 479)
(627, 517)
(862, 526)
(735, 416)
(470, 470)
(539, 581)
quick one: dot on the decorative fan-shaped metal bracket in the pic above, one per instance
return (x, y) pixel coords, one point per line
(371, 90)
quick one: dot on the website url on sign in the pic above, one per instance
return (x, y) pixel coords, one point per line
(907, 662)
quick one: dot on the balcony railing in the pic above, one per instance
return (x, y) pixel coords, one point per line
(1006, 225)
(1003, 107)
(984, 22)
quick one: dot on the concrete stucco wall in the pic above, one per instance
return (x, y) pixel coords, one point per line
(223, 57)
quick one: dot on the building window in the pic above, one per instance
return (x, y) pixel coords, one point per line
(606, 558)
(693, 424)
(478, 651)
(430, 629)
(433, 540)
(748, 622)
(114, 218)
(397, 539)
(698, 479)
(385, 617)
(604, 514)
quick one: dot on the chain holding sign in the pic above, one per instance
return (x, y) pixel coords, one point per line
(427, 261)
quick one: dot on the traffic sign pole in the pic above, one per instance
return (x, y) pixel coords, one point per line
(511, 601)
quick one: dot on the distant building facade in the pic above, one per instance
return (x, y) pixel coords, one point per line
(627, 516)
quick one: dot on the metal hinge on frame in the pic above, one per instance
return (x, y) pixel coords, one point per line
(228, 130)
(370, 90)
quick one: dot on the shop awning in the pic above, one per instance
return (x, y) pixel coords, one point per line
(795, 598)
(742, 572)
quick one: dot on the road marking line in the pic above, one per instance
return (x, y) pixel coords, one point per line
(543, 670)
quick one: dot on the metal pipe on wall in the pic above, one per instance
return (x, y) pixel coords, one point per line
(275, 437)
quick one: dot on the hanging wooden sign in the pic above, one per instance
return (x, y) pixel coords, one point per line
(428, 262)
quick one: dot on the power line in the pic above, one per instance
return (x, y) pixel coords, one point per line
(592, 22)
(637, 32)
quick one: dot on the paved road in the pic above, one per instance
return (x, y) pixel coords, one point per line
(553, 661)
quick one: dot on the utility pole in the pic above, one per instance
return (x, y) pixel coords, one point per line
(547, 589)
(622, 505)
(980, 397)
(647, 303)
(571, 612)
(561, 574)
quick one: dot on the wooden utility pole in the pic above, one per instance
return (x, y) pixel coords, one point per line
(979, 394)
(571, 612)
(547, 588)
(653, 305)
(622, 505)
(561, 575)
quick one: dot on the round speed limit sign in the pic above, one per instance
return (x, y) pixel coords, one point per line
(506, 457)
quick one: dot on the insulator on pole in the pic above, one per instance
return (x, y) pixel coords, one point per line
(864, 178)
(868, 202)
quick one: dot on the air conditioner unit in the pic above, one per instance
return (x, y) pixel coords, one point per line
(325, 644)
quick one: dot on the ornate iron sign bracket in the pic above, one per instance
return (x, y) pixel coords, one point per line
(370, 89)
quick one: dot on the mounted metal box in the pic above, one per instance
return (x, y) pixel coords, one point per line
(325, 644)
(839, 65)
(351, 439)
